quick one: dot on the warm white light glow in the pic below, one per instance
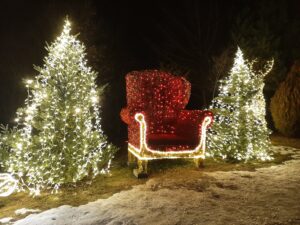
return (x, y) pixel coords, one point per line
(77, 110)
(19, 146)
(94, 99)
(29, 81)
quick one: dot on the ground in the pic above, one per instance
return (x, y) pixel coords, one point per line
(177, 193)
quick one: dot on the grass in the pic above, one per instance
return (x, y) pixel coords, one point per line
(121, 178)
(278, 139)
(103, 186)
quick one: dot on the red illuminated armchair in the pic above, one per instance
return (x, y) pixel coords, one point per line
(158, 125)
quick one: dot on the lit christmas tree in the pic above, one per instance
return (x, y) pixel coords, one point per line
(240, 131)
(59, 137)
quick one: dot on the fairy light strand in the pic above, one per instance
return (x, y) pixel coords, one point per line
(59, 138)
(240, 130)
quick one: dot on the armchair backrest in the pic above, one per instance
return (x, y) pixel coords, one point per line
(160, 95)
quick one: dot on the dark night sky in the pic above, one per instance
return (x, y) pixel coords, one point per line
(132, 34)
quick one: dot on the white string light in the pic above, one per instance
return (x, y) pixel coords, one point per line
(240, 130)
(7, 184)
(59, 136)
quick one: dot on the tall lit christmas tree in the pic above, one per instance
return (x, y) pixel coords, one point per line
(59, 137)
(240, 131)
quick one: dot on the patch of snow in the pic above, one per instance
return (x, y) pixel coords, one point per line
(189, 196)
(5, 220)
(25, 211)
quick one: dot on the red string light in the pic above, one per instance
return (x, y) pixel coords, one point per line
(162, 97)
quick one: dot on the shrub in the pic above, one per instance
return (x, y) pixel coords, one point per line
(285, 104)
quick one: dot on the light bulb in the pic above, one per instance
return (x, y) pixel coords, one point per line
(77, 110)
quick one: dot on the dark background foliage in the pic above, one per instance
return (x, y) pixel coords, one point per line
(193, 38)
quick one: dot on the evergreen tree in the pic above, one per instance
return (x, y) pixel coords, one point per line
(240, 131)
(59, 137)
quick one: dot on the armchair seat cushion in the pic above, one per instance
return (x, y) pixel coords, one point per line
(170, 139)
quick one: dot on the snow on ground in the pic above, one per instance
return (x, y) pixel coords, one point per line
(269, 196)
(25, 211)
(5, 220)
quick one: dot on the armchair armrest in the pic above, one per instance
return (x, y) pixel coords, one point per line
(125, 115)
(129, 117)
(190, 121)
(195, 116)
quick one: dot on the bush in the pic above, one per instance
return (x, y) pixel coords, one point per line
(285, 104)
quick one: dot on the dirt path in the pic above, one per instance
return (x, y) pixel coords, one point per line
(266, 196)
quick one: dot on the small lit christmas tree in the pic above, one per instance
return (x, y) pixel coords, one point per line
(240, 131)
(59, 137)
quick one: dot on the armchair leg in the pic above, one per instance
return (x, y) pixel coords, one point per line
(199, 162)
(141, 171)
(131, 160)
